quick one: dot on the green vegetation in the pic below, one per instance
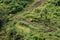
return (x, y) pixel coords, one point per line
(29, 20)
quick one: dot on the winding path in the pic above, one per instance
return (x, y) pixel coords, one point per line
(51, 29)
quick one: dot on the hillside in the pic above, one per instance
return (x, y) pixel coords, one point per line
(29, 19)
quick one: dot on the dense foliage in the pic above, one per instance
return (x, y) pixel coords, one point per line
(13, 6)
(39, 23)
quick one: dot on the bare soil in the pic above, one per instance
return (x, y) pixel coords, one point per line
(38, 3)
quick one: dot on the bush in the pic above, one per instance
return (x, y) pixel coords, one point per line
(58, 3)
(13, 6)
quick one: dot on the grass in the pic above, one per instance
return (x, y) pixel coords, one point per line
(46, 14)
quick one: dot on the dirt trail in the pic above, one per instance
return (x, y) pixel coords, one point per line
(38, 3)
(51, 29)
